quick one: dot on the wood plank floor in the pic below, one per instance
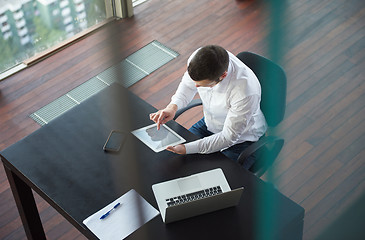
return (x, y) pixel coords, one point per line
(323, 53)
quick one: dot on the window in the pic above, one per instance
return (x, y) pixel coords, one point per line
(55, 12)
(7, 35)
(66, 12)
(137, 2)
(63, 3)
(47, 23)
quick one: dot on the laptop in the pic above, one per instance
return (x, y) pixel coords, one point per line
(195, 195)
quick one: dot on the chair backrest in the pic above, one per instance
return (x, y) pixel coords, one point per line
(266, 155)
(273, 86)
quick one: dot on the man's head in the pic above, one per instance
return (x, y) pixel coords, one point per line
(209, 64)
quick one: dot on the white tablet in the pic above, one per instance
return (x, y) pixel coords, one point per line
(158, 140)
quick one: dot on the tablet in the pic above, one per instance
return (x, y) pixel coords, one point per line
(158, 140)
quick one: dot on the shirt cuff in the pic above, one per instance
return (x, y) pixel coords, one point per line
(192, 147)
(177, 103)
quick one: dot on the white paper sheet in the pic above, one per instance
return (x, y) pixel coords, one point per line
(133, 212)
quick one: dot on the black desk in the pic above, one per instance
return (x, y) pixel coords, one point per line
(65, 164)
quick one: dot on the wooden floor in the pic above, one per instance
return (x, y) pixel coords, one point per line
(322, 165)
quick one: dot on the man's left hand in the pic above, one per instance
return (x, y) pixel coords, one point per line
(178, 149)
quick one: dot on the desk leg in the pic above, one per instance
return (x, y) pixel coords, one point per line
(26, 206)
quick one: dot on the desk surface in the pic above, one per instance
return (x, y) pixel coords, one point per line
(65, 164)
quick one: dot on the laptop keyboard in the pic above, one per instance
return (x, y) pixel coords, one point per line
(193, 196)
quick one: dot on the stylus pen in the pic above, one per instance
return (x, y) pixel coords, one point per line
(107, 213)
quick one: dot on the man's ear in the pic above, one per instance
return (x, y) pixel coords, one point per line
(223, 76)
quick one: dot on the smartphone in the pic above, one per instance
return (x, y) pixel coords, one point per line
(115, 141)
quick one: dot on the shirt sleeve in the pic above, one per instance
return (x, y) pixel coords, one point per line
(185, 92)
(238, 122)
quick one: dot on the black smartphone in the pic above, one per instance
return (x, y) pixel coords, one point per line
(114, 141)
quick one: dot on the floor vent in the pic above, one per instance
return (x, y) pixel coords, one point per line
(132, 69)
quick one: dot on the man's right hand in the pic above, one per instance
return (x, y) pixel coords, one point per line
(163, 116)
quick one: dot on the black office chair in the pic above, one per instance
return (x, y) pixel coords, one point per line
(273, 100)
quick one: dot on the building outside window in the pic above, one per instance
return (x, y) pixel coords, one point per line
(29, 27)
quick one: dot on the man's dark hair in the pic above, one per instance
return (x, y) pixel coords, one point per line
(210, 62)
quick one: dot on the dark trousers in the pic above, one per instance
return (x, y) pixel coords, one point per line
(233, 152)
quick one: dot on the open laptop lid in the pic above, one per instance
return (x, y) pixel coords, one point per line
(189, 184)
(204, 205)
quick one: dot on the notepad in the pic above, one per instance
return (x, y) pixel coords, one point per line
(133, 212)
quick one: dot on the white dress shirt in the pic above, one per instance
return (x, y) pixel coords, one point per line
(231, 108)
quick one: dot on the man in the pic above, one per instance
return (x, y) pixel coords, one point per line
(231, 95)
